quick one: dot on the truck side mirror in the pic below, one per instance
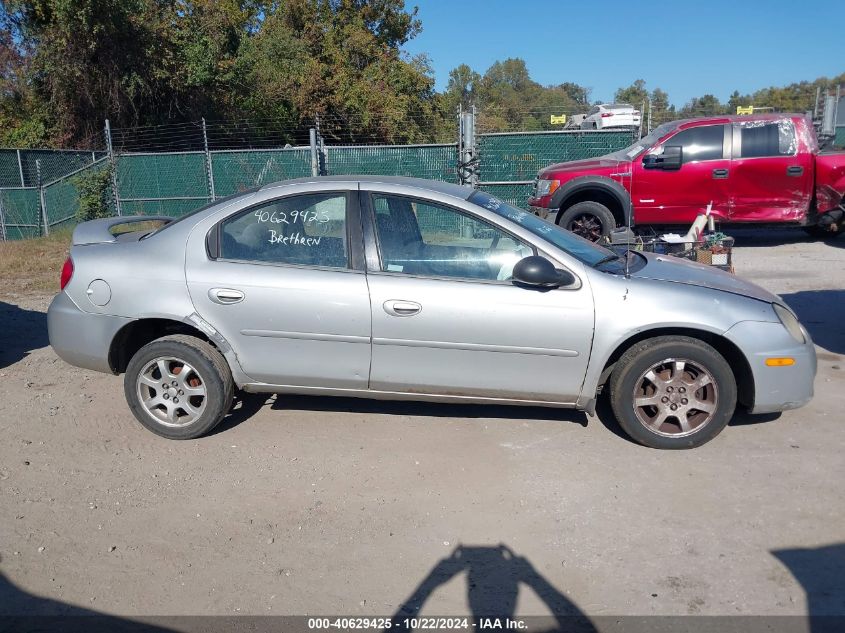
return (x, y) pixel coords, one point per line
(670, 160)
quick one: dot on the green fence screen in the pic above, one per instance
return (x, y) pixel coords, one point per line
(175, 183)
(434, 162)
(55, 163)
(162, 184)
(241, 170)
(21, 210)
(61, 198)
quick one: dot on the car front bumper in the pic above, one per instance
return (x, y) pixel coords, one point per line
(776, 388)
(81, 338)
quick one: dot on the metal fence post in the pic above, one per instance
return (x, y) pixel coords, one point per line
(113, 167)
(20, 168)
(315, 163)
(650, 107)
(41, 201)
(322, 150)
(209, 169)
(642, 113)
(2, 218)
(467, 172)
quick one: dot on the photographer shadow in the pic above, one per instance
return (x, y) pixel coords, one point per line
(494, 575)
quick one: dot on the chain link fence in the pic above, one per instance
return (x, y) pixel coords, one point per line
(509, 161)
(39, 189)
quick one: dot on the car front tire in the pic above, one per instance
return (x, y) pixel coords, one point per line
(672, 392)
(179, 387)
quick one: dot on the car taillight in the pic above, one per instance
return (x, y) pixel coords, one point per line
(604, 115)
(67, 273)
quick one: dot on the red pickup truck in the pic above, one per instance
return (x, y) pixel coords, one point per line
(764, 169)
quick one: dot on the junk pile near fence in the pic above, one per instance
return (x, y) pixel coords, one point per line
(699, 244)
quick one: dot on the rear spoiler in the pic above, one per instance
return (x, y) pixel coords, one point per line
(98, 231)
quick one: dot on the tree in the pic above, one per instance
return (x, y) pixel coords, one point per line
(91, 59)
(463, 87)
(707, 105)
(635, 94)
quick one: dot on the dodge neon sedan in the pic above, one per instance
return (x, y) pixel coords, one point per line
(398, 288)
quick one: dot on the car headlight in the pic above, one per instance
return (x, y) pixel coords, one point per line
(790, 322)
(546, 187)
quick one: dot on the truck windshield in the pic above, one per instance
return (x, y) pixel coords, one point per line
(581, 249)
(647, 141)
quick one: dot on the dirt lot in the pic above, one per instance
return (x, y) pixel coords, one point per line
(310, 506)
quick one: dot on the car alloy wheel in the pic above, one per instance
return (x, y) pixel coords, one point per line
(171, 391)
(675, 397)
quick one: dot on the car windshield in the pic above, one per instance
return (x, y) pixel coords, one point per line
(581, 249)
(647, 141)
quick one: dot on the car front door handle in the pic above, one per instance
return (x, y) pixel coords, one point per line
(720, 173)
(225, 296)
(402, 308)
(794, 170)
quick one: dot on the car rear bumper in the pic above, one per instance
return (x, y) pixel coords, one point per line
(81, 338)
(776, 388)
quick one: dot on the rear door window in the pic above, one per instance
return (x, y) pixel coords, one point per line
(769, 139)
(306, 230)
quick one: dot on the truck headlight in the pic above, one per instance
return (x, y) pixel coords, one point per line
(546, 187)
(790, 322)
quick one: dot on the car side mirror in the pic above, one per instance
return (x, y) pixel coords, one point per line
(670, 160)
(538, 272)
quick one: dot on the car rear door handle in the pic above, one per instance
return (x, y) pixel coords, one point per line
(720, 173)
(402, 308)
(794, 170)
(225, 296)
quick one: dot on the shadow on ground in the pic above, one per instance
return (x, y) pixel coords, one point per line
(494, 576)
(757, 236)
(21, 332)
(22, 611)
(248, 404)
(427, 409)
(822, 313)
(821, 572)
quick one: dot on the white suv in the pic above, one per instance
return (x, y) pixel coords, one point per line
(607, 115)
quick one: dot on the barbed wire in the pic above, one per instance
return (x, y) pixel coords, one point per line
(397, 127)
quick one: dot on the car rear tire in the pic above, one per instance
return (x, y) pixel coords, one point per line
(179, 387)
(672, 392)
(591, 220)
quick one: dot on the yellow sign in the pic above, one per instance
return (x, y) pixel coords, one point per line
(745, 109)
(557, 120)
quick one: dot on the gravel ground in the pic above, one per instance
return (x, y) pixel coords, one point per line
(319, 506)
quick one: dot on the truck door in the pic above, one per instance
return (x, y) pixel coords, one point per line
(771, 177)
(677, 196)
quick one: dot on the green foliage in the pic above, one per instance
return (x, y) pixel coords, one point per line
(95, 194)
(67, 65)
(635, 94)
(507, 97)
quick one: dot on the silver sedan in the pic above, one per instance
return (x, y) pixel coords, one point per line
(398, 288)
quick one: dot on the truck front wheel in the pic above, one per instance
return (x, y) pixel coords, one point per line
(591, 220)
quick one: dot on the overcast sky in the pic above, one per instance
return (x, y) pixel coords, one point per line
(686, 48)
